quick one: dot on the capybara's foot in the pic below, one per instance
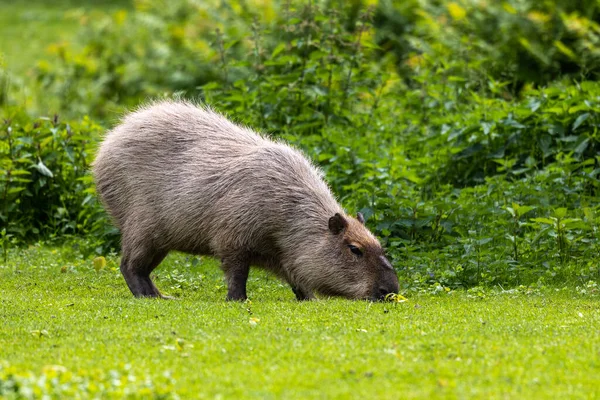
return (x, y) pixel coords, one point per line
(302, 295)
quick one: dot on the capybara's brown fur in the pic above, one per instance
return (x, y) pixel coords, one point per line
(175, 176)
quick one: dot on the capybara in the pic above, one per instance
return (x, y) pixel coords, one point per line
(177, 176)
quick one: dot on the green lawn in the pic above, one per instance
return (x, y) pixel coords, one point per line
(67, 329)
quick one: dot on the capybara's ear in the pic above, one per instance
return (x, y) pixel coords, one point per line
(360, 218)
(337, 224)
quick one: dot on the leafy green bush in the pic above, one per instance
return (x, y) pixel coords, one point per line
(166, 47)
(516, 42)
(466, 184)
(529, 214)
(45, 185)
(127, 57)
(491, 136)
(176, 46)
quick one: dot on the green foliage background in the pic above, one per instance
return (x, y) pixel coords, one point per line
(466, 131)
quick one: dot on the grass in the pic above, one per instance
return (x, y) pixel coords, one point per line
(69, 330)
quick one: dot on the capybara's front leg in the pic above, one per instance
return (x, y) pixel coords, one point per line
(136, 267)
(236, 270)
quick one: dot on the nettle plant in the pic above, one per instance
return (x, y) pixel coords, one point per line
(316, 74)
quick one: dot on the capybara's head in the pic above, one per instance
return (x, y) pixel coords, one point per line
(358, 267)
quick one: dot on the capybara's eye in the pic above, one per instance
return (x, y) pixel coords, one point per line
(355, 250)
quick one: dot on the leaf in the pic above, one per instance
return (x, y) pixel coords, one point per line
(544, 231)
(509, 8)
(578, 108)
(40, 333)
(99, 263)
(469, 151)
(396, 298)
(535, 50)
(483, 241)
(565, 50)
(580, 120)
(20, 172)
(547, 221)
(581, 147)
(230, 44)
(456, 11)
(574, 223)
(487, 127)
(560, 212)
(15, 190)
(588, 86)
(43, 169)
(280, 47)
(525, 209)
(534, 105)
(555, 110)
(211, 86)
(569, 139)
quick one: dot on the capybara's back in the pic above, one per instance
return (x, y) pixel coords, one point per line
(175, 176)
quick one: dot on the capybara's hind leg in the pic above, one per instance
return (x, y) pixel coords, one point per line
(236, 270)
(136, 267)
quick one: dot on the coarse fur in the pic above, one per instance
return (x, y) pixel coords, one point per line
(177, 176)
